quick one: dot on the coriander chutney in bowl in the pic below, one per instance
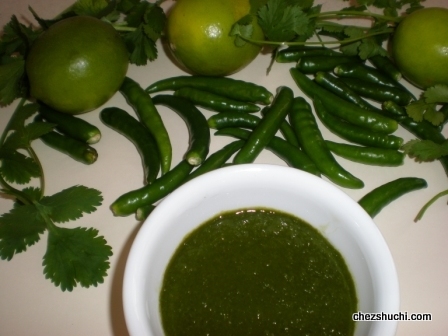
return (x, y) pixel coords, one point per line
(257, 272)
(324, 215)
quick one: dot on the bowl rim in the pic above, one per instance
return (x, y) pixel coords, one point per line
(131, 286)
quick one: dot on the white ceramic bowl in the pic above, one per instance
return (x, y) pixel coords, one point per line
(341, 220)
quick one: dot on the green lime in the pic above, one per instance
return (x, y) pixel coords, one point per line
(420, 47)
(198, 35)
(77, 64)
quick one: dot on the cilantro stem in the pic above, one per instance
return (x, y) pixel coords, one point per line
(10, 190)
(123, 28)
(8, 125)
(49, 223)
(348, 40)
(429, 203)
(345, 14)
(34, 156)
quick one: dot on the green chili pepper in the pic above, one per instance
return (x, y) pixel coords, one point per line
(374, 201)
(70, 125)
(129, 202)
(293, 54)
(77, 150)
(214, 161)
(363, 72)
(313, 64)
(225, 86)
(196, 123)
(233, 119)
(367, 155)
(355, 133)
(217, 159)
(267, 127)
(385, 65)
(285, 129)
(143, 212)
(144, 107)
(313, 144)
(367, 73)
(339, 88)
(342, 108)
(215, 102)
(292, 155)
(378, 92)
(139, 135)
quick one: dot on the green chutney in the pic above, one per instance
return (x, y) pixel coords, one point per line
(257, 272)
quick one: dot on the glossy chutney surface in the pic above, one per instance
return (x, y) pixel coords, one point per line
(257, 272)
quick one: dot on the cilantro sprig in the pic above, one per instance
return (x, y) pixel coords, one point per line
(426, 151)
(74, 256)
(293, 23)
(426, 108)
(139, 22)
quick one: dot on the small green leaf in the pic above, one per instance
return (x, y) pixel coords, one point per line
(19, 229)
(425, 150)
(11, 76)
(17, 121)
(281, 21)
(72, 203)
(22, 138)
(18, 168)
(416, 109)
(155, 20)
(140, 46)
(90, 7)
(436, 94)
(76, 256)
(242, 29)
(33, 194)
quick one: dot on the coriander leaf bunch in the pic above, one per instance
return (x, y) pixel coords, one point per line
(293, 23)
(73, 256)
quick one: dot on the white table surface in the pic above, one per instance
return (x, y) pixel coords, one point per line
(31, 305)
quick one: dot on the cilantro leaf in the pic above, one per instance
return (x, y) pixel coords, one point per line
(76, 256)
(91, 7)
(19, 117)
(281, 21)
(19, 228)
(18, 168)
(141, 47)
(149, 22)
(72, 203)
(425, 150)
(436, 94)
(11, 76)
(22, 138)
(154, 22)
(420, 109)
(33, 193)
(242, 29)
